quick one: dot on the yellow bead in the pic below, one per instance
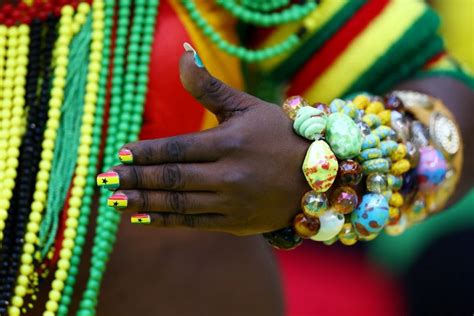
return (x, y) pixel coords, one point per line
(32, 227)
(83, 160)
(396, 200)
(61, 71)
(84, 150)
(71, 222)
(20, 290)
(29, 249)
(23, 280)
(55, 295)
(67, 10)
(88, 118)
(83, 8)
(17, 301)
(361, 101)
(54, 113)
(37, 206)
(75, 202)
(81, 171)
(26, 269)
(64, 264)
(30, 238)
(399, 153)
(41, 185)
(60, 275)
(374, 107)
(43, 176)
(68, 243)
(80, 19)
(26, 258)
(35, 216)
(48, 144)
(57, 285)
(400, 167)
(79, 181)
(14, 311)
(69, 233)
(51, 308)
(56, 93)
(385, 117)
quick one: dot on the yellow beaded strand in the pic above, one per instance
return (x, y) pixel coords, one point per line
(81, 171)
(13, 116)
(3, 141)
(41, 188)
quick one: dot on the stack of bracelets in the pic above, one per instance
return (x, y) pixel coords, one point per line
(375, 164)
(66, 68)
(73, 81)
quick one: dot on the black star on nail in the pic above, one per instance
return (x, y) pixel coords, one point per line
(115, 203)
(104, 181)
(139, 220)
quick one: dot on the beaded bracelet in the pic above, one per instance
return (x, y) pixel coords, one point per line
(375, 164)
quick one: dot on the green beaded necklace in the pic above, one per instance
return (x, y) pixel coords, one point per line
(245, 54)
(265, 5)
(293, 13)
(127, 100)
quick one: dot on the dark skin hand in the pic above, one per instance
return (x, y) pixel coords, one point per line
(243, 177)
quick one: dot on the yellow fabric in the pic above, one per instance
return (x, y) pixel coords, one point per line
(384, 30)
(313, 22)
(458, 28)
(220, 64)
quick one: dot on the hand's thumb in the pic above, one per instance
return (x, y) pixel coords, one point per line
(215, 95)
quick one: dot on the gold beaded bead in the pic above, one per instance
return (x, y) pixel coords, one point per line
(385, 116)
(361, 101)
(400, 167)
(399, 153)
(396, 200)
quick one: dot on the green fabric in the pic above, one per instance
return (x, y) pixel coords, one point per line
(403, 58)
(399, 253)
(68, 136)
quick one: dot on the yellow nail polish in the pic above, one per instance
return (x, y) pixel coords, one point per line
(108, 180)
(140, 219)
(118, 200)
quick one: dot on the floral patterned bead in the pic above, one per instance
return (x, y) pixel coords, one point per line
(344, 199)
(320, 166)
(306, 227)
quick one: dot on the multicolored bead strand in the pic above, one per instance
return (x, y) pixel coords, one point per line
(41, 188)
(108, 219)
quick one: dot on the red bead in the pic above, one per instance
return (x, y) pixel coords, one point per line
(344, 199)
(306, 227)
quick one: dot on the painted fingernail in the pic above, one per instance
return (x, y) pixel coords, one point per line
(197, 59)
(108, 180)
(125, 156)
(144, 219)
(118, 200)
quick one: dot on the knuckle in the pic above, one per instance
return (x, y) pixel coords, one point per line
(233, 143)
(235, 178)
(171, 178)
(177, 202)
(173, 150)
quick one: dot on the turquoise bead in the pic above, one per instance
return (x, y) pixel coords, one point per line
(371, 215)
(337, 105)
(373, 120)
(388, 147)
(380, 165)
(310, 123)
(343, 136)
(384, 132)
(370, 153)
(370, 141)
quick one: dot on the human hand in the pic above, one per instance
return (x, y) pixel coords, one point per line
(243, 177)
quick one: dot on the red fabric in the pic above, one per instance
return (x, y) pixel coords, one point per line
(334, 281)
(335, 46)
(169, 109)
(318, 280)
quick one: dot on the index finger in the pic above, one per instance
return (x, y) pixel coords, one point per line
(197, 147)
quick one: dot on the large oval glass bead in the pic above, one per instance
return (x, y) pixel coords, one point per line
(305, 226)
(350, 172)
(284, 239)
(344, 199)
(343, 136)
(331, 223)
(310, 123)
(292, 105)
(371, 215)
(320, 166)
(431, 169)
(314, 204)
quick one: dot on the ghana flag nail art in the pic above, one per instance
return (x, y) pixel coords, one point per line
(108, 180)
(125, 156)
(118, 200)
(140, 219)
